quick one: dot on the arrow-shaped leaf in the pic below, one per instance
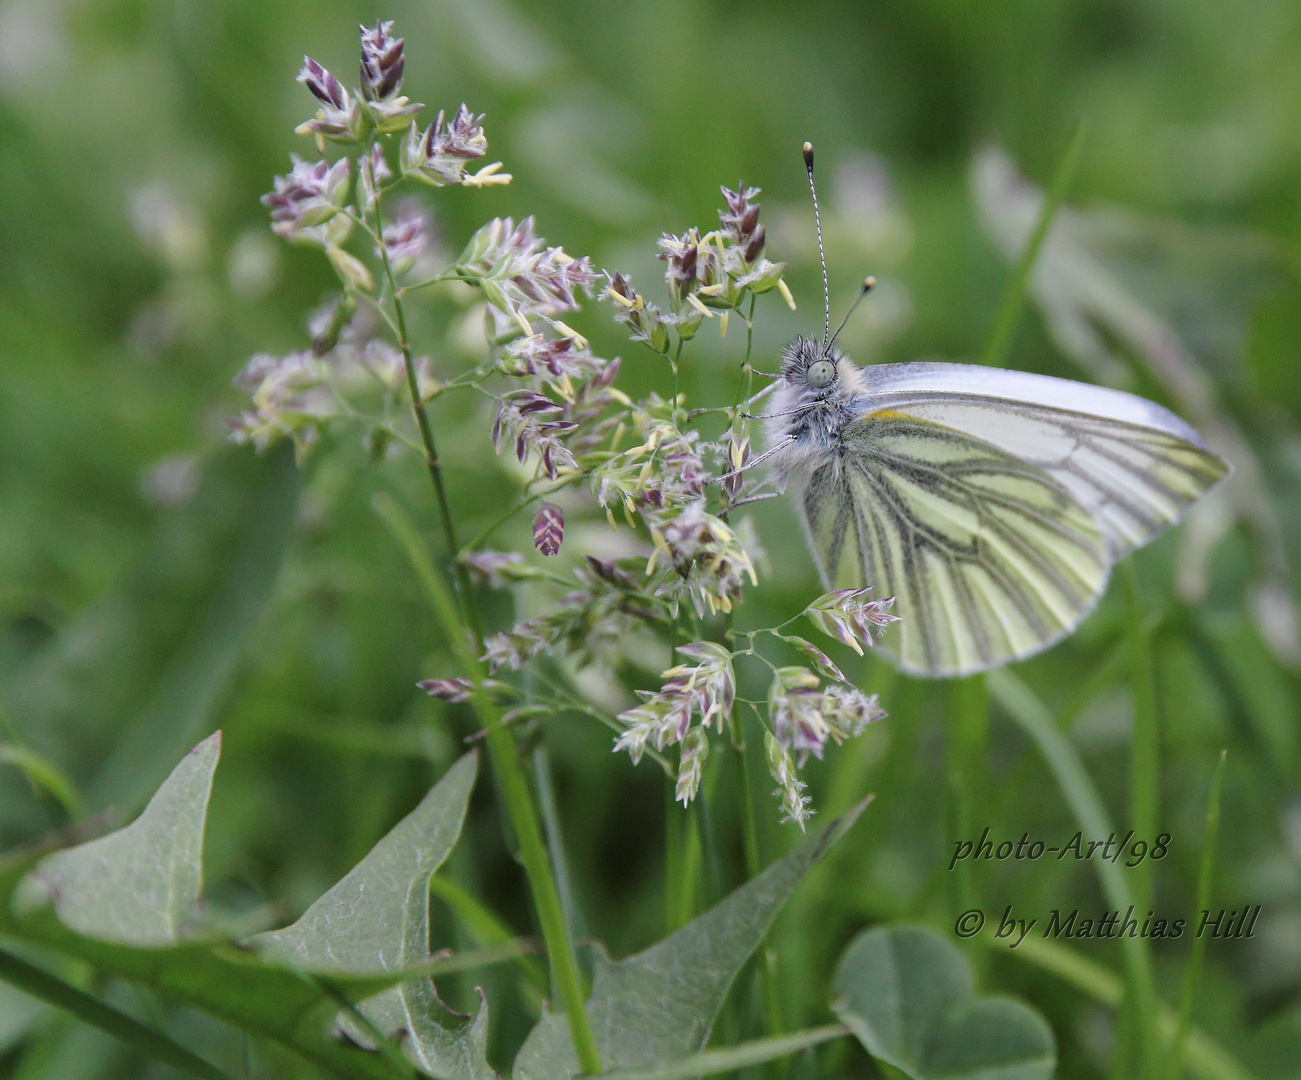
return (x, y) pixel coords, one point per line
(377, 920)
(660, 1004)
(125, 904)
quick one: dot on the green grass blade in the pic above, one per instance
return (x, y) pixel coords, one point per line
(490, 955)
(1035, 719)
(686, 892)
(512, 783)
(1193, 972)
(731, 1058)
(1207, 1059)
(674, 860)
(41, 773)
(994, 354)
(546, 789)
(90, 1010)
(967, 750)
(491, 932)
(431, 583)
(1144, 797)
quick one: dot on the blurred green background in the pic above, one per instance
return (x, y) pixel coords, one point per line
(156, 583)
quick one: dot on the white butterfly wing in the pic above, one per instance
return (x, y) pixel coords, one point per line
(1133, 465)
(988, 557)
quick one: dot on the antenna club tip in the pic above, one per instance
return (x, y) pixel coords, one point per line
(869, 283)
(808, 154)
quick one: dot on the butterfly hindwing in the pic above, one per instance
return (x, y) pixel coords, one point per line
(988, 556)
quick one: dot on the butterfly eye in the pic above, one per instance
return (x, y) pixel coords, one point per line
(820, 374)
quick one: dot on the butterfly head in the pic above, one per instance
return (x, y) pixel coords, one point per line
(814, 369)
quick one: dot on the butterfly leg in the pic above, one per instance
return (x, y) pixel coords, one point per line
(776, 479)
(755, 498)
(787, 412)
(753, 461)
(728, 408)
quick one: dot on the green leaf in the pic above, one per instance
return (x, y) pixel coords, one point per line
(139, 885)
(910, 998)
(377, 920)
(136, 891)
(660, 1004)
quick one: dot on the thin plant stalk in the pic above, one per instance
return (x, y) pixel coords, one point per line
(704, 821)
(546, 791)
(488, 929)
(749, 818)
(432, 461)
(968, 745)
(731, 1058)
(90, 1010)
(681, 906)
(674, 860)
(501, 742)
(1205, 877)
(749, 815)
(514, 788)
(1143, 784)
(767, 956)
(1144, 807)
(994, 354)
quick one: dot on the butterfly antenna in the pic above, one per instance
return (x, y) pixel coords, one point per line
(868, 284)
(822, 255)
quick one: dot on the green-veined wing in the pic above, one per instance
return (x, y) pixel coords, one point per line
(1135, 466)
(989, 558)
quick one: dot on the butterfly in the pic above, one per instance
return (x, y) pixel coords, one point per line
(991, 504)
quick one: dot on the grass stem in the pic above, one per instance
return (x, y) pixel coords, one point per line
(1144, 807)
(502, 748)
(513, 784)
(1205, 877)
(968, 746)
(90, 1010)
(994, 354)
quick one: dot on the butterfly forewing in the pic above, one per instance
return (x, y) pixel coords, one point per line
(988, 556)
(1134, 466)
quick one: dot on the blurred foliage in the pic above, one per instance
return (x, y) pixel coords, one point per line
(155, 584)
